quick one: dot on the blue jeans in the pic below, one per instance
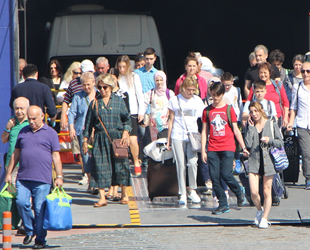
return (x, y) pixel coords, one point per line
(221, 166)
(38, 191)
(85, 158)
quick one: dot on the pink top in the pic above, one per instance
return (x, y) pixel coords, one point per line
(203, 87)
(205, 75)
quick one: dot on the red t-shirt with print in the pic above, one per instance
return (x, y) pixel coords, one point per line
(221, 136)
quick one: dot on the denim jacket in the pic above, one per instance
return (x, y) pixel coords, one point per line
(78, 111)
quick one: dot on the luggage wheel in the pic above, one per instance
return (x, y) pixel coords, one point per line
(285, 193)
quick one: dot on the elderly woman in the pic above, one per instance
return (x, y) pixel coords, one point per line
(110, 110)
(72, 72)
(275, 92)
(78, 111)
(158, 99)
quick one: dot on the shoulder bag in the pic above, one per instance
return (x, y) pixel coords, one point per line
(120, 151)
(194, 138)
(279, 155)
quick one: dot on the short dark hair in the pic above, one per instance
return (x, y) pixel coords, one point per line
(259, 84)
(276, 55)
(29, 70)
(218, 88)
(149, 51)
(139, 57)
(227, 76)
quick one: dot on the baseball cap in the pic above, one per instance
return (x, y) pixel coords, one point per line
(87, 65)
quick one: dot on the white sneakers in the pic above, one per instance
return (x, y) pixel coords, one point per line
(84, 180)
(194, 196)
(183, 199)
(191, 195)
(258, 217)
(264, 223)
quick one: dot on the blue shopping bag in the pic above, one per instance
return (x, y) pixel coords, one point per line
(58, 215)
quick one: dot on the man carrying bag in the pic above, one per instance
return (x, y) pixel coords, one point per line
(37, 146)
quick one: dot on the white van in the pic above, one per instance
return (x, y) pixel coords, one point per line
(88, 31)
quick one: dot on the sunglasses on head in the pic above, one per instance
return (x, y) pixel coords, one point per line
(305, 70)
(103, 87)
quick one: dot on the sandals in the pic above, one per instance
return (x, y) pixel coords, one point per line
(109, 197)
(116, 198)
(97, 204)
(124, 202)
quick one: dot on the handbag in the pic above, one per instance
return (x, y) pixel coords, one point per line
(194, 137)
(8, 203)
(120, 151)
(58, 215)
(279, 155)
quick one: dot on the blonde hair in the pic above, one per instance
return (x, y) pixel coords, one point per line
(128, 75)
(189, 81)
(259, 108)
(69, 73)
(106, 79)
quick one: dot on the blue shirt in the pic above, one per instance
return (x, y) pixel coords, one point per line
(36, 148)
(78, 111)
(147, 78)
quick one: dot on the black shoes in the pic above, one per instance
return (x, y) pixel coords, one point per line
(39, 246)
(241, 199)
(27, 240)
(220, 210)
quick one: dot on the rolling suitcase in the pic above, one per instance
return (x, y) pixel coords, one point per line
(162, 178)
(291, 147)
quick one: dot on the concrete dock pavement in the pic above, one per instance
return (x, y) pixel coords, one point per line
(166, 210)
(142, 224)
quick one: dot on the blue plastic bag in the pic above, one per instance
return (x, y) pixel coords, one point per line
(58, 215)
(280, 159)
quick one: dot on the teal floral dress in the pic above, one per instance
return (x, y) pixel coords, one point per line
(105, 169)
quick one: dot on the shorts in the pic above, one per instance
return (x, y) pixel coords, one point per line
(75, 146)
(134, 124)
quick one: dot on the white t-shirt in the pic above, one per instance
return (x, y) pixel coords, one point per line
(270, 109)
(232, 96)
(135, 95)
(192, 109)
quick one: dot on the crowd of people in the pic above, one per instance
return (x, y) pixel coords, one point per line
(131, 102)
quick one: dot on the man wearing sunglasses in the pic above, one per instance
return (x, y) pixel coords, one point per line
(300, 109)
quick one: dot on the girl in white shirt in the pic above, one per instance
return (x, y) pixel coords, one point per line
(192, 108)
(130, 82)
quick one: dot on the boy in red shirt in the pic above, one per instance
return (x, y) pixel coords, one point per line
(223, 130)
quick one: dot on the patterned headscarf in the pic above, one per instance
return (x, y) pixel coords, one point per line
(161, 91)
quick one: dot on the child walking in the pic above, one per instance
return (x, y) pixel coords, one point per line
(222, 121)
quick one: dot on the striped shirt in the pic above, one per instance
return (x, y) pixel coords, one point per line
(74, 87)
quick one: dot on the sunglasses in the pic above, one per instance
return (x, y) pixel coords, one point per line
(305, 70)
(103, 87)
(77, 73)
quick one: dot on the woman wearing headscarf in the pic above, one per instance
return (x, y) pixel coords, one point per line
(158, 99)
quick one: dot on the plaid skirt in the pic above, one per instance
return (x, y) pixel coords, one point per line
(105, 169)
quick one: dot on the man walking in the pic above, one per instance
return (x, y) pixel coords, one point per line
(251, 75)
(102, 66)
(37, 146)
(37, 93)
(300, 108)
